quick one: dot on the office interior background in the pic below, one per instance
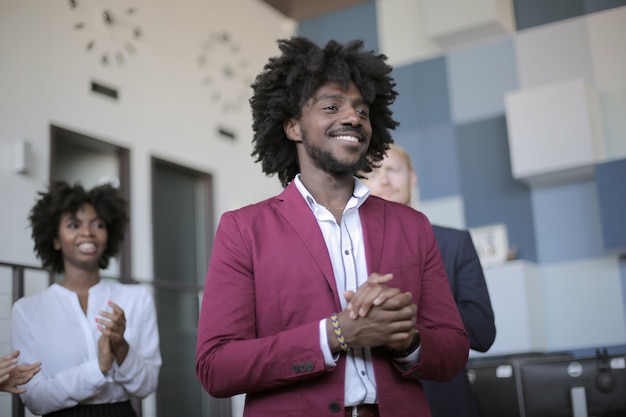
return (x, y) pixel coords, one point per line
(512, 110)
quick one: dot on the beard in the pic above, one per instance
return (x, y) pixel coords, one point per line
(327, 162)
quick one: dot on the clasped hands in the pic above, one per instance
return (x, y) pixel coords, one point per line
(111, 344)
(377, 315)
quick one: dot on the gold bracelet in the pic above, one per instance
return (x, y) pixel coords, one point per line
(342, 340)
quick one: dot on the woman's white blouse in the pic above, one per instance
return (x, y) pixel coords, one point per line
(50, 327)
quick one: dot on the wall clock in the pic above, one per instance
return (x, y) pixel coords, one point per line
(225, 72)
(110, 28)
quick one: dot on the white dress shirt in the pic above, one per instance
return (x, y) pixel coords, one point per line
(347, 254)
(50, 327)
(346, 249)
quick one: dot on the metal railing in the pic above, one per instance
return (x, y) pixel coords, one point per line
(17, 281)
(18, 277)
(216, 407)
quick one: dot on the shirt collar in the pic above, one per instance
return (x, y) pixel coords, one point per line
(359, 195)
(95, 288)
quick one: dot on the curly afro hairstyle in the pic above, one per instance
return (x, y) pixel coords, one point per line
(62, 198)
(289, 80)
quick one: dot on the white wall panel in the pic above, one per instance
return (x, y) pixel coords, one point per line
(455, 23)
(401, 32)
(517, 302)
(555, 131)
(445, 211)
(613, 105)
(554, 52)
(584, 306)
(607, 32)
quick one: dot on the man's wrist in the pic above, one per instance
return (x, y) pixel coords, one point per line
(415, 343)
(341, 340)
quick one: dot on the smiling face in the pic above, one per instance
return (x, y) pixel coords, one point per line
(333, 132)
(82, 238)
(394, 179)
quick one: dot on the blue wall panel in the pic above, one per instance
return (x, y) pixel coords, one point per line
(358, 22)
(622, 270)
(530, 13)
(405, 107)
(423, 86)
(490, 193)
(567, 222)
(592, 6)
(433, 151)
(479, 78)
(611, 185)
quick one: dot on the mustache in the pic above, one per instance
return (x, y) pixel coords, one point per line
(349, 132)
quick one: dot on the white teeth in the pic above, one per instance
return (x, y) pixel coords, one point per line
(347, 138)
(87, 247)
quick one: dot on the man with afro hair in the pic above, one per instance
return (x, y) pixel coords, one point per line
(322, 300)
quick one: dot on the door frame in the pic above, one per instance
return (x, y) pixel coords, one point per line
(218, 407)
(59, 134)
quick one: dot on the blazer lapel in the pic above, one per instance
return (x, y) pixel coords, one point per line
(372, 213)
(291, 205)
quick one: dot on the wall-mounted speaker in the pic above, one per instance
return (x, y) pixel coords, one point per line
(22, 156)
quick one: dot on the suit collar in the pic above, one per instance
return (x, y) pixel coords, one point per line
(372, 213)
(292, 205)
(359, 194)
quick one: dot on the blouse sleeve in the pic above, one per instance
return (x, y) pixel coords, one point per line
(139, 373)
(66, 389)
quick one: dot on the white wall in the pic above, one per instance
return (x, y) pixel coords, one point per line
(164, 110)
(555, 307)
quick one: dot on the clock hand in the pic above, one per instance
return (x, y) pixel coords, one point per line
(107, 17)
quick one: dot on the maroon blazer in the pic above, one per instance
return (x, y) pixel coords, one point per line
(269, 283)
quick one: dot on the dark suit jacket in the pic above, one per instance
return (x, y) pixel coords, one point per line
(454, 398)
(269, 283)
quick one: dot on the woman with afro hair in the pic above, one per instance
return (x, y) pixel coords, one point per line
(322, 300)
(96, 339)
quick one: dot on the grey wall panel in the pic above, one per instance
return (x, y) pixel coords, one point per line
(490, 192)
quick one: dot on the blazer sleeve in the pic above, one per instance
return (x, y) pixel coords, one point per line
(444, 343)
(232, 355)
(409, 249)
(472, 296)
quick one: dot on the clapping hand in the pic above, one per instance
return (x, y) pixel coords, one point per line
(112, 326)
(12, 374)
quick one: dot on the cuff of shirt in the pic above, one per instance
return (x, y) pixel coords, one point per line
(95, 376)
(125, 372)
(410, 360)
(329, 358)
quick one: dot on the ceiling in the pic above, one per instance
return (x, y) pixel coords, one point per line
(306, 9)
